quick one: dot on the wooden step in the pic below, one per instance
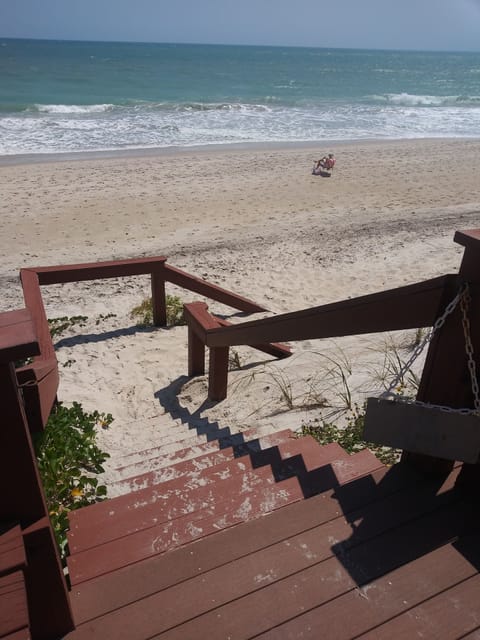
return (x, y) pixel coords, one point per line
(136, 581)
(224, 440)
(145, 508)
(298, 584)
(245, 500)
(188, 464)
(14, 617)
(13, 604)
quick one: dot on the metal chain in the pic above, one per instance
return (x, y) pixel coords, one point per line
(464, 304)
(463, 297)
(439, 322)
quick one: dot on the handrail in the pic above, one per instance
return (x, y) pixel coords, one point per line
(192, 283)
(406, 307)
(41, 377)
(23, 500)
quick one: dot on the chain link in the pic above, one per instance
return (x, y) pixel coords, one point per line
(463, 297)
(464, 304)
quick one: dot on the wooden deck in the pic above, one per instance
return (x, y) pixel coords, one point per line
(331, 546)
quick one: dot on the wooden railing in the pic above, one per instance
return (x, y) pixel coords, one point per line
(22, 504)
(40, 378)
(445, 378)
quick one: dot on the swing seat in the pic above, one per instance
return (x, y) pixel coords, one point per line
(420, 429)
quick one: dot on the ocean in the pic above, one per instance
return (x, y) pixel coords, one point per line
(60, 96)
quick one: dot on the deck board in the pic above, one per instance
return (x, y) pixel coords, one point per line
(138, 580)
(261, 610)
(103, 593)
(451, 614)
(13, 604)
(284, 580)
(385, 598)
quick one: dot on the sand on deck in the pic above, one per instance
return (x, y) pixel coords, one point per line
(254, 221)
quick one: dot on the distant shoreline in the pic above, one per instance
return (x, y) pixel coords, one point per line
(152, 152)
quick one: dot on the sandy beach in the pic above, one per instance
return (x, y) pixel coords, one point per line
(252, 220)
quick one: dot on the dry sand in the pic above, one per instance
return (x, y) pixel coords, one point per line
(254, 221)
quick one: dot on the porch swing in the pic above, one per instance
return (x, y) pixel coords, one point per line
(418, 427)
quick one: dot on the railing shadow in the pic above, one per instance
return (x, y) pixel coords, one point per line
(105, 335)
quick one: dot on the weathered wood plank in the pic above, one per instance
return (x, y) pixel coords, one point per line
(289, 597)
(139, 580)
(407, 307)
(97, 270)
(451, 614)
(149, 507)
(23, 634)
(275, 349)
(13, 604)
(18, 338)
(377, 602)
(419, 429)
(34, 302)
(247, 596)
(234, 446)
(12, 551)
(197, 285)
(198, 463)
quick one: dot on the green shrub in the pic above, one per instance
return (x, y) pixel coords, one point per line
(350, 437)
(68, 460)
(143, 313)
(59, 325)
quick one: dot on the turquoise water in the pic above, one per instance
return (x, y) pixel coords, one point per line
(77, 96)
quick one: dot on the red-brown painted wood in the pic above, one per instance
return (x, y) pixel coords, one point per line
(281, 600)
(97, 270)
(129, 584)
(249, 496)
(241, 443)
(145, 508)
(256, 591)
(376, 603)
(159, 301)
(451, 614)
(275, 349)
(13, 604)
(406, 307)
(48, 600)
(197, 285)
(34, 303)
(12, 551)
(18, 338)
(199, 463)
(23, 634)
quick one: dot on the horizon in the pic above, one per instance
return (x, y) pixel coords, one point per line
(240, 44)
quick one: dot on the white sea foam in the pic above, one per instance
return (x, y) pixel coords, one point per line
(101, 127)
(73, 108)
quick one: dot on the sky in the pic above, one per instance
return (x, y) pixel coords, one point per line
(443, 25)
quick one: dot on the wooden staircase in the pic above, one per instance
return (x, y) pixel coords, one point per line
(275, 537)
(186, 497)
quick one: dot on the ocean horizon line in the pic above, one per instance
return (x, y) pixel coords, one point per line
(240, 44)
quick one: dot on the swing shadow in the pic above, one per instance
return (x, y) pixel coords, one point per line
(401, 519)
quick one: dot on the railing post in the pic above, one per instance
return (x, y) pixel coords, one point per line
(445, 378)
(159, 300)
(218, 373)
(196, 354)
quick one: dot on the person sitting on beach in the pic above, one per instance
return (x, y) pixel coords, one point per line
(324, 164)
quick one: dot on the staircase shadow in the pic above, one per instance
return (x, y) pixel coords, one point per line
(311, 482)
